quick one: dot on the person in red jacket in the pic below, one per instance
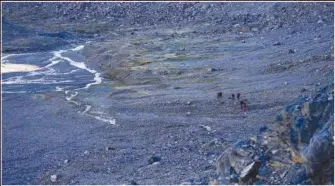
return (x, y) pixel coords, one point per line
(243, 106)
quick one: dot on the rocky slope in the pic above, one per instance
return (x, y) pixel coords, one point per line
(297, 149)
(88, 19)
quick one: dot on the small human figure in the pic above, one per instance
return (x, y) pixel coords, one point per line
(243, 106)
(238, 96)
(219, 95)
(233, 96)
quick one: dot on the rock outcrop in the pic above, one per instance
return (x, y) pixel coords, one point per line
(297, 149)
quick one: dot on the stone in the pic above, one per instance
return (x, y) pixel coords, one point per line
(188, 113)
(296, 175)
(53, 178)
(263, 128)
(188, 103)
(186, 183)
(276, 43)
(156, 163)
(86, 152)
(233, 178)
(286, 83)
(208, 129)
(66, 161)
(303, 90)
(211, 70)
(223, 167)
(110, 148)
(291, 51)
(250, 171)
(154, 158)
(320, 150)
(132, 182)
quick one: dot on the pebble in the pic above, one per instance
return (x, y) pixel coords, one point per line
(188, 113)
(110, 148)
(211, 70)
(283, 174)
(53, 178)
(86, 152)
(274, 151)
(291, 51)
(133, 182)
(156, 163)
(66, 161)
(188, 103)
(303, 90)
(206, 127)
(286, 83)
(276, 44)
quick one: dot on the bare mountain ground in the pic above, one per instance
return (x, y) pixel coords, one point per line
(161, 84)
(163, 96)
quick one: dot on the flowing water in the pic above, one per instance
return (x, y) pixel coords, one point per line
(56, 71)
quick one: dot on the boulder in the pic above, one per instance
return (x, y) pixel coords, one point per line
(291, 51)
(250, 171)
(296, 175)
(319, 151)
(154, 158)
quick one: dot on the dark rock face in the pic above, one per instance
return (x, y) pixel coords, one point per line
(298, 149)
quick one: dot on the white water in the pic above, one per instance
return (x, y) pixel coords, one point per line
(58, 58)
(20, 81)
(88, 107)
(104, 119)
(81, 65)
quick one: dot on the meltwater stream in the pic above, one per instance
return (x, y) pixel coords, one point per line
(58, 71)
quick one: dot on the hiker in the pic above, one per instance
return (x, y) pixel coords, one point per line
(233, 96)
(243, 106)
(219, 95)
(238, 96)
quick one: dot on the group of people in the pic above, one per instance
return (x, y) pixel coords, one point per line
(242, 102)
(238, 95)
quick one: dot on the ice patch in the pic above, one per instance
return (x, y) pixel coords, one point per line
(71, 96)
(80, 47)
(88, 107)
(53, 61)
(11, 92)
(105, 119)
(20, 81)
(9, 67)
(58, 89)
